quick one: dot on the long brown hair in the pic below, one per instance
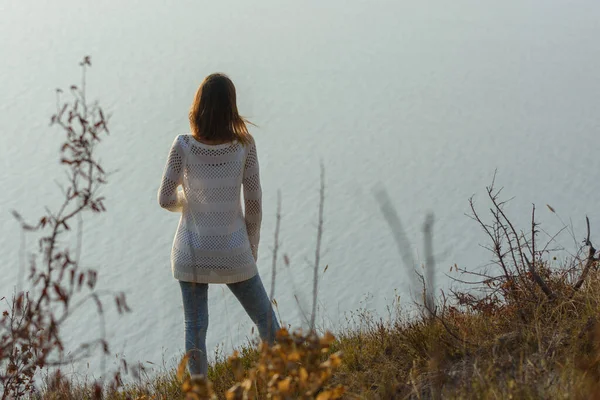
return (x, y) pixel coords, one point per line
(214, 115)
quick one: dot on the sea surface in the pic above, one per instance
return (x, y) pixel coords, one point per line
(426, 99)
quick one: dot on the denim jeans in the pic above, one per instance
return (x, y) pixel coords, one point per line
(250, 293)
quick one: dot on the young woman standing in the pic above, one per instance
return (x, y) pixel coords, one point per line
(215, 242)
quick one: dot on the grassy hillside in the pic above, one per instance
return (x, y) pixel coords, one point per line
(530, 350)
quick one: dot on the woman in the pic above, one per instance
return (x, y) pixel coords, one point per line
(215, 241)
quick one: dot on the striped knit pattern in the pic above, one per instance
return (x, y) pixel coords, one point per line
(216, 241)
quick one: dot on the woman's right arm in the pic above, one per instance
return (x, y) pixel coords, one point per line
(168, 196)
(252, 198)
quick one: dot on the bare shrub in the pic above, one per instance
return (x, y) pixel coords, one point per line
(525, 277)
(30, 327)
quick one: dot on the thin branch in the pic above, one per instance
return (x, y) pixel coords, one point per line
(494, 238)
(429, 284)
(493, 198)
(395, 224)
(274, 260)
(532, 264)
(591, 259)
(553, 239)
(538, 279)
(318, 250)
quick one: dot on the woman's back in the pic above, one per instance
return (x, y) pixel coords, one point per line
(215, 241)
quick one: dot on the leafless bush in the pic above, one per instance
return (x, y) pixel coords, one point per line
(524, 275)
(31, 323)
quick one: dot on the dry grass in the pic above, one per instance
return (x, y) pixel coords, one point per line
(554, 353)
(491, 354)
(529, 332)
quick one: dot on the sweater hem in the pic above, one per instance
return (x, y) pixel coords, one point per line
(213, 277)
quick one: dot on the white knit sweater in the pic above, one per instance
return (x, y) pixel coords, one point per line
(215, 241)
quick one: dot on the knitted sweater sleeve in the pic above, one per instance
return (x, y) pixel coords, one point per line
(168, 195)
(252, 198)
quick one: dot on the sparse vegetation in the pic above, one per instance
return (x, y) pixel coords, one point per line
(527, 329)
(511, 335)
(32, 321)
(470, 352)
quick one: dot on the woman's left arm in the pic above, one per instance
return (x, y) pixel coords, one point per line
(168, 196)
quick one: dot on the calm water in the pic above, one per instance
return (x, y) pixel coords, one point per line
(427, 98)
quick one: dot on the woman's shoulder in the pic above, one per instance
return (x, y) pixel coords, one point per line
(249, 141)
(183, 140)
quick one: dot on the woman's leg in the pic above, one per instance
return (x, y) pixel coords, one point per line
(195, 309)
(251, 293)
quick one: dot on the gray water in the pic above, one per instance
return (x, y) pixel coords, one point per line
(426, 98)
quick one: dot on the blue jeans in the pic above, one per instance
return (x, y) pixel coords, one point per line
(251, 293)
